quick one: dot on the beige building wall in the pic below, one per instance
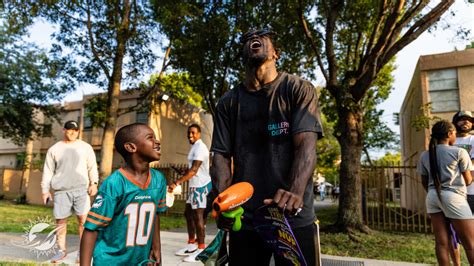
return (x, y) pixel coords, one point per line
(170, 122)
(414, 142)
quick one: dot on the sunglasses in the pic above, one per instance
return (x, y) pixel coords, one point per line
(262, 32)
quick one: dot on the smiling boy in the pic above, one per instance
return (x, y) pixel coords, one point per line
(123, 225)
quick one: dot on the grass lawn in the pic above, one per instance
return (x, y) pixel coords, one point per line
(381, 245)
(17, 217)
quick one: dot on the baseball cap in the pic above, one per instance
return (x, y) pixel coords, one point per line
(71, 124)
(461, 114)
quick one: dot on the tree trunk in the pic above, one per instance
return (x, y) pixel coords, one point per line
(107, 148)
(113, 100)
(350, 138)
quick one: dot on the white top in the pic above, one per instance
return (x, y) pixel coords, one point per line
(468, 144)
(199, 152)
(69, 166)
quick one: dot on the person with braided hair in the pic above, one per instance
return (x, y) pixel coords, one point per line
(445, 173)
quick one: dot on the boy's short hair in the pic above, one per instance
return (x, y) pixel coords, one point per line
(196, 126)
(126, 134)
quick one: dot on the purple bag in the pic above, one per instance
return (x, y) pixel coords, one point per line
(273, 227)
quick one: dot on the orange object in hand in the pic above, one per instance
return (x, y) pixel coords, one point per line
(231, 198)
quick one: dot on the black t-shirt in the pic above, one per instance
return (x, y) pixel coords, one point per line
(257, 128)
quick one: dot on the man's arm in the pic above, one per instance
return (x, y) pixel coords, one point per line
(48, 172)
(155, 252)
(87, 246)
(221, 173)
(301, 171)
(188, 175)
(93, 172)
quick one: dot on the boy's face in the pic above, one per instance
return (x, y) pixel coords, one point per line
(148, 147)
(452, 137)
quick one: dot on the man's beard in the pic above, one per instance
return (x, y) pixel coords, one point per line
(253, 60)
(463, 131)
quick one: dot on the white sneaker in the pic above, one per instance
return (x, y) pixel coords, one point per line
(186, 251)
(58, 257)
(192, 257)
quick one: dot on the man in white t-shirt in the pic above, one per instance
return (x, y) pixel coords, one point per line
(463, 121)
(199, 186)
(70, 170)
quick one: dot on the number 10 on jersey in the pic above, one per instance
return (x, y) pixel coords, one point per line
(140, 218)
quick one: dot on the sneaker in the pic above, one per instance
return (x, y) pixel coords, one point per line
(58, 257)
(188, 250)
(192, 257)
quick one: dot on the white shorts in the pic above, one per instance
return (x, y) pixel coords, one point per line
(198, 196)
(67, 201)
(453, 205)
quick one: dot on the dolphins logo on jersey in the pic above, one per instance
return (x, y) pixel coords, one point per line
(98, 202)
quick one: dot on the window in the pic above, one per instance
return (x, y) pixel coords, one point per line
(443, 90)
(87, 122)
(142, 117)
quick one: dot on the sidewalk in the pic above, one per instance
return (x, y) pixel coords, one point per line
(10, 250)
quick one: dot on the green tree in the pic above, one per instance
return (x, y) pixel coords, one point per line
(329, 152)
(29, 81)
(179, 86)
(354, 41)
(205, 40)
(389, 159)
(111, 45)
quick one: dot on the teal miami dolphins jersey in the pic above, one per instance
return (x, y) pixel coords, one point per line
(124, 214)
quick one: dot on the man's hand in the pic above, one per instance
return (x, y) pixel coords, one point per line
(172, 187)
(92, 190)
(290, 202)
(225, 223)
(46, 197)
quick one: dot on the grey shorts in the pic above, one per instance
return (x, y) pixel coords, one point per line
(73, 200)
(452, 205)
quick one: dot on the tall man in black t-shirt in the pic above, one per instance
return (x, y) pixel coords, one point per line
(268, 125)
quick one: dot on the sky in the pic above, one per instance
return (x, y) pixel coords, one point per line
(440, 41)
